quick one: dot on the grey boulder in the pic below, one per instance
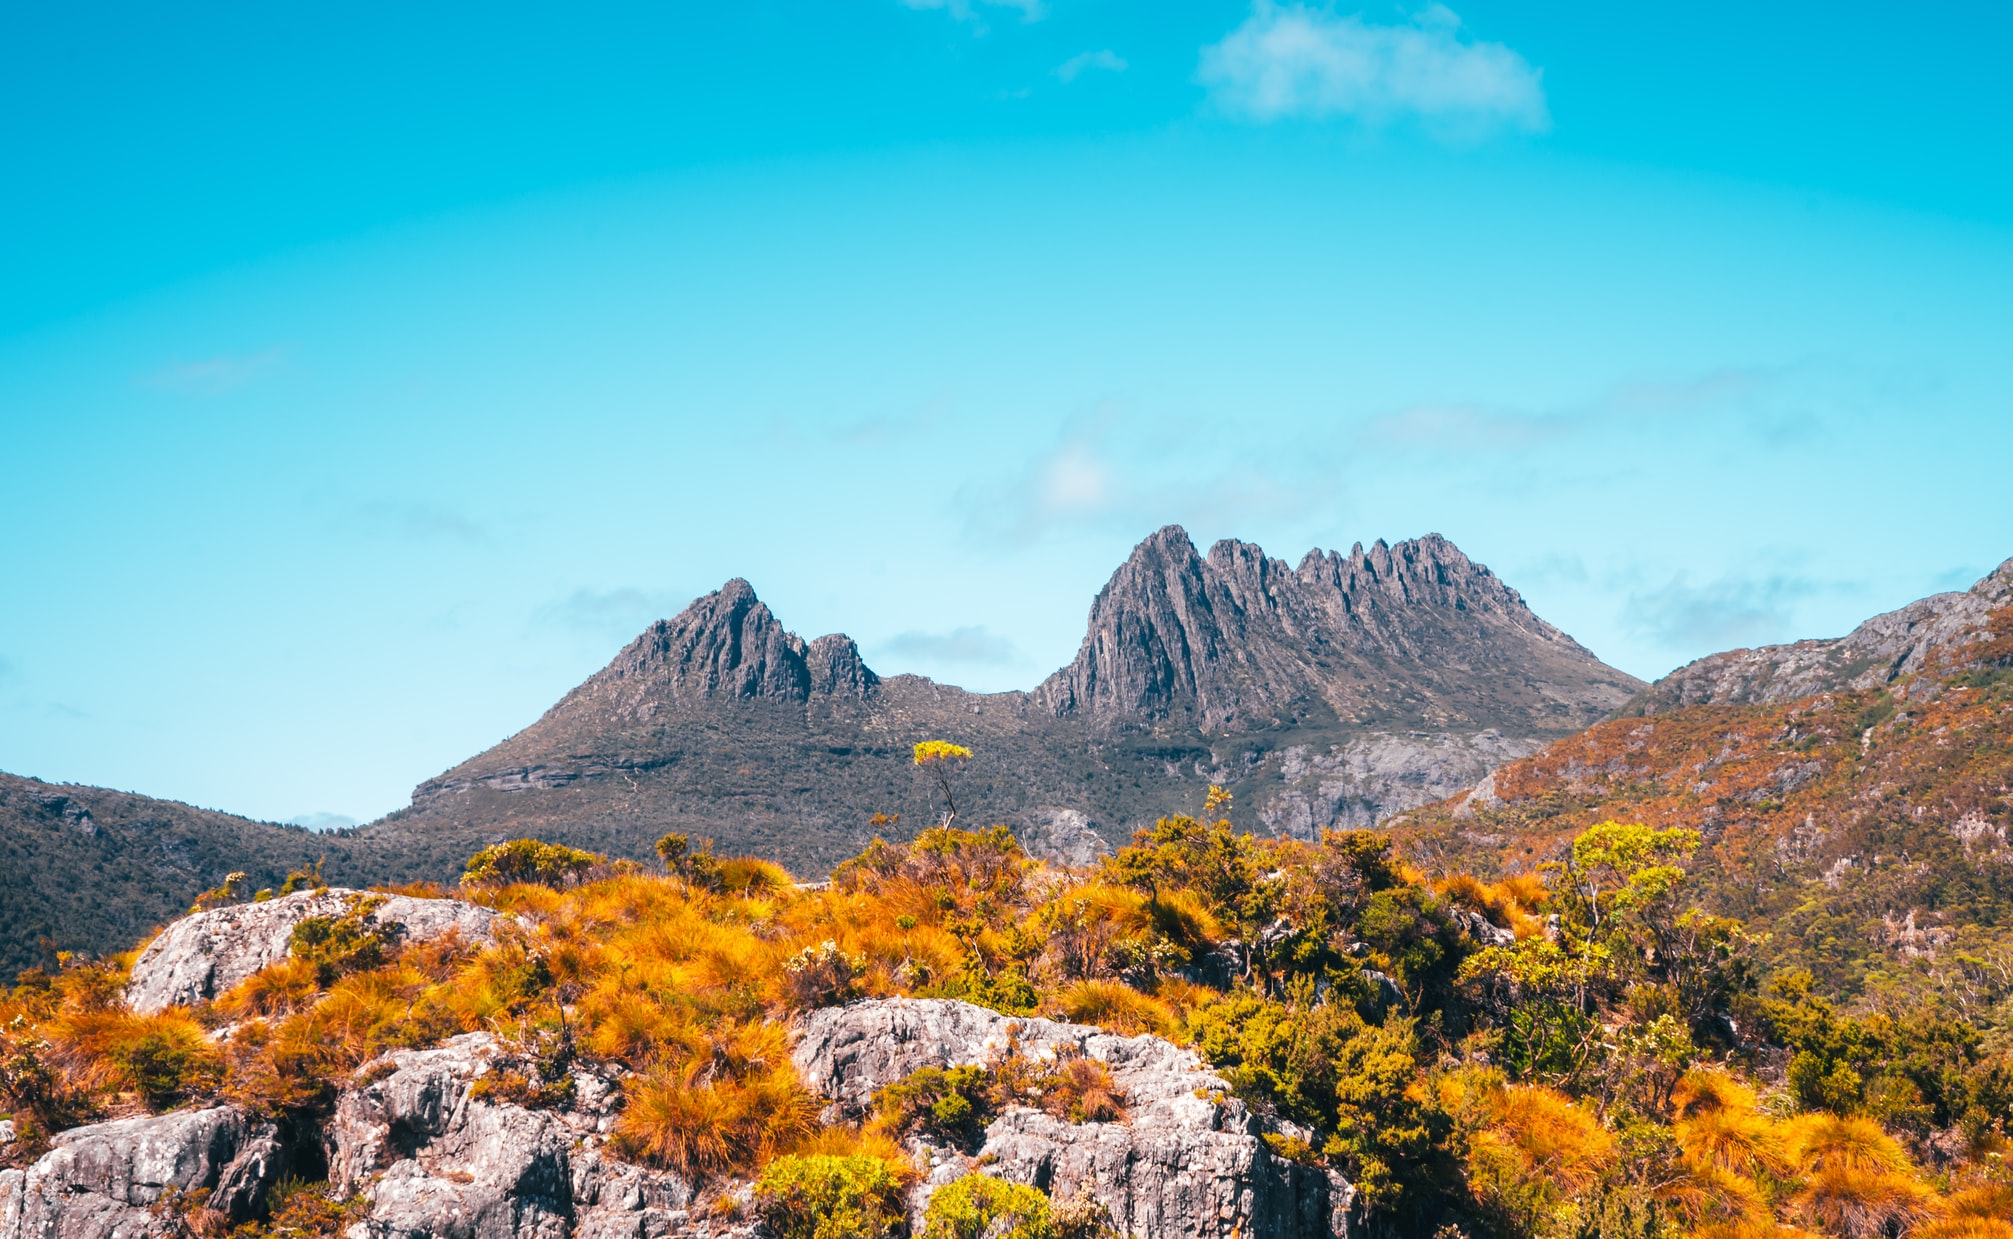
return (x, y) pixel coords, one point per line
(1188, 1162)
(433, 1160)
(206, 953)
(106, 1180)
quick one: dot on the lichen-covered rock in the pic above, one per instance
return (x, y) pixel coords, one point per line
(1188, 1162)
(106, 1180)
(206, 953)
(432, 1158)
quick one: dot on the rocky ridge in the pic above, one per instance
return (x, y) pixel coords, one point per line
(1328, 694)
(121, 1179)
(1880, 652)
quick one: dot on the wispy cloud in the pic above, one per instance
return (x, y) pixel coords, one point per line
(1083, 62)
(969, 10)
(417, 522)
(964, 646)
(1119, 470)
(616, 614)
(1294, 61)
(1471, 429)
(1732, 611)
(212, 376)
(1465, 428)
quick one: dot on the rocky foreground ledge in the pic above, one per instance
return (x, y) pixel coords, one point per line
(204, 954)
(429, 1155)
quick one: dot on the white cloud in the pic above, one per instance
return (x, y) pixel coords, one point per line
(415, 521)
(1732, 611)
(212, 376)
(1077, 65)
(968, 11)
(1295, 61)
(1132, 471)
(616, 614)
(969, 645)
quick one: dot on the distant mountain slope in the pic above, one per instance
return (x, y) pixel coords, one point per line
(1864, 826)
(1879, 652)
(93, 870)
(1327, 694)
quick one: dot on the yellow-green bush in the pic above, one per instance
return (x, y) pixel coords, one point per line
(981, 1207)
(820, 1196)
(531, 861)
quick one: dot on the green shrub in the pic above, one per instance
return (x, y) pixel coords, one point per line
(167, 1065)
(529, 860)
(982, 1207)
(352, 942)
(305, 878)
(825, 1197)
(950, 1106)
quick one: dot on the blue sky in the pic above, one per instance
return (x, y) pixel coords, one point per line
(369, 376)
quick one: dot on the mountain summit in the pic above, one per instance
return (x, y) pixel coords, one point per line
(1323, 695)
(1416, 634)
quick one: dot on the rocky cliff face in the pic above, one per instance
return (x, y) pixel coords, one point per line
(110, 1180)
(725, 646)
(1325, 695)
(1238, 641)
(1876, 654)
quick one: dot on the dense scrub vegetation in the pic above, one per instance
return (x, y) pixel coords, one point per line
(1862, 835)
(1576, 1051)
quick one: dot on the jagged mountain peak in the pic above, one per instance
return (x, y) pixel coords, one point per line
(1238, 640)
(1330, 692)
(727, 645)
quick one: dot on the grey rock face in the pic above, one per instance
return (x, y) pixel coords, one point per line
(1238, 642)
(1061, 837)
(1188, 1161)
(202, 955)
(433, 1160)
(1873, 655)
(1358, 784)
(100, 1181)
(729, 645)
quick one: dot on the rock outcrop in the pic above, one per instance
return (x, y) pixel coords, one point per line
(204, 954)
(1873, 655)
(114, 1180)
(1187, 1163)
(434, 1159)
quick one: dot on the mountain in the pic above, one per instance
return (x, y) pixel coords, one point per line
(86, 869)
(1327, 694)
(1878, 653)
(1855, 796)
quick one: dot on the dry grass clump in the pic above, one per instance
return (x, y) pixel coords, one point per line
(701, 1128)
(1115, 1006)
